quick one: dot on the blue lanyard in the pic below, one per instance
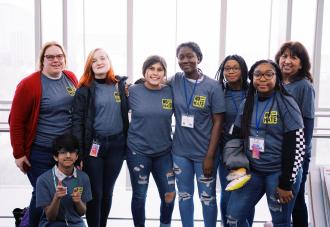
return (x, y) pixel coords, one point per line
(191, 96)
(233, 100)
(262, 113)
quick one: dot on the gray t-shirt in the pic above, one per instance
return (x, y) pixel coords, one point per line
(150, 129)
(233, 101)
(276, 115)
(206, 99)
(55, 109)
(108, 119)
(304, 94)
(46, 188)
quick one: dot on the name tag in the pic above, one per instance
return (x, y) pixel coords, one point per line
(257, 146)
(94, 152)
(187, 121)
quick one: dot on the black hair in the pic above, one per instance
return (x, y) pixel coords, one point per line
(244, 71)
(194, 46)
(297, 49)
(140, 81)
(152, 60)
(65, 141)
(249, 103)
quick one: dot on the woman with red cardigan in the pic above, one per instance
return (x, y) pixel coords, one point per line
(41, 110)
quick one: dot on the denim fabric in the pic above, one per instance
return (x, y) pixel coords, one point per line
(185, 170)
(103, 172)
(247, 197)
(41, 160)
(140, 166)
(225, 195)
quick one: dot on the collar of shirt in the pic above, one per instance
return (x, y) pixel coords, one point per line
(61, 176)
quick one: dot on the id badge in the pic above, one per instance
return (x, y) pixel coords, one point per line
(187, 121)
(117, 96)
(94, 152)
(256, 145)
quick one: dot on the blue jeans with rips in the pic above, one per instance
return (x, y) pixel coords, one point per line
(225, 195)
(185, 170)
(41, 160)
(140, 166)
(103, 172)
(245, 199)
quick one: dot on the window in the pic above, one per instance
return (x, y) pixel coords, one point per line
(17, 52)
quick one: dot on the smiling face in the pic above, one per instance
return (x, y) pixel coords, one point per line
(53, 62)
(188, 60)
(66, 160)
(289, 64)
(232, 73)
(264, 79)
(101, 64)
(154, 76)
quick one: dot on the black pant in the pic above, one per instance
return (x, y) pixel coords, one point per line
(103, 172)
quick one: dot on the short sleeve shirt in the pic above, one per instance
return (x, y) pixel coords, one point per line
(150, 128)
(276, 115)
(206, 99)
(304, 94)
(46, 188)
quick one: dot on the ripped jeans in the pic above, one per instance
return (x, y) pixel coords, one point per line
(161, 167)
(244, 199)
(185, 170)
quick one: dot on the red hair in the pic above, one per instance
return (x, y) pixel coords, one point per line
(88, 75)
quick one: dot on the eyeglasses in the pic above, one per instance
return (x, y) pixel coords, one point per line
(51, 57)
(267, 75)
(234, 69)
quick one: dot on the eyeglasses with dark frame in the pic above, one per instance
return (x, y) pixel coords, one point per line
(52, 57)
(234, 69)
(267, 75)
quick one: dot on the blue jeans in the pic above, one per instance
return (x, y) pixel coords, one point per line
(185, 170)
(41, 160)
(103, 172)
(161, 167)
(225, 195)
(245, 198)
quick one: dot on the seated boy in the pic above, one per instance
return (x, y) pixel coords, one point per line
(63, 191)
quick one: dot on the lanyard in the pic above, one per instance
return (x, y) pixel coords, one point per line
(74, 184)
(186, 96)
(262, 113)
(234, 101)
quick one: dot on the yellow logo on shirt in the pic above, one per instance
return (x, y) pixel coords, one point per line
(71, 90)
(270, 118)
(199, 101)
(117, 96)
(167, 104)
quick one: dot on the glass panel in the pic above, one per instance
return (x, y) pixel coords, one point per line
(153, 33)
(51, 21)
(199, 21)
(324, 85)
(76, 49)
(17, 58)
(248, 36)
(105, 27)
(303, 22)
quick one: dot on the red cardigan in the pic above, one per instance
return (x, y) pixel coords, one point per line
(24, 113)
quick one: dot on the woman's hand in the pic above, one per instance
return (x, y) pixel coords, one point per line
(284, 196)
(208, 164)
(20, 163)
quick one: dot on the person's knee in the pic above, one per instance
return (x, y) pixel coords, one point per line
(169, 197)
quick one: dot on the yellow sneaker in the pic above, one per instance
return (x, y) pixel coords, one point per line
(238, 183)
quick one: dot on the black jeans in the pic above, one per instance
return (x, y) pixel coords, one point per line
(103, 172)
